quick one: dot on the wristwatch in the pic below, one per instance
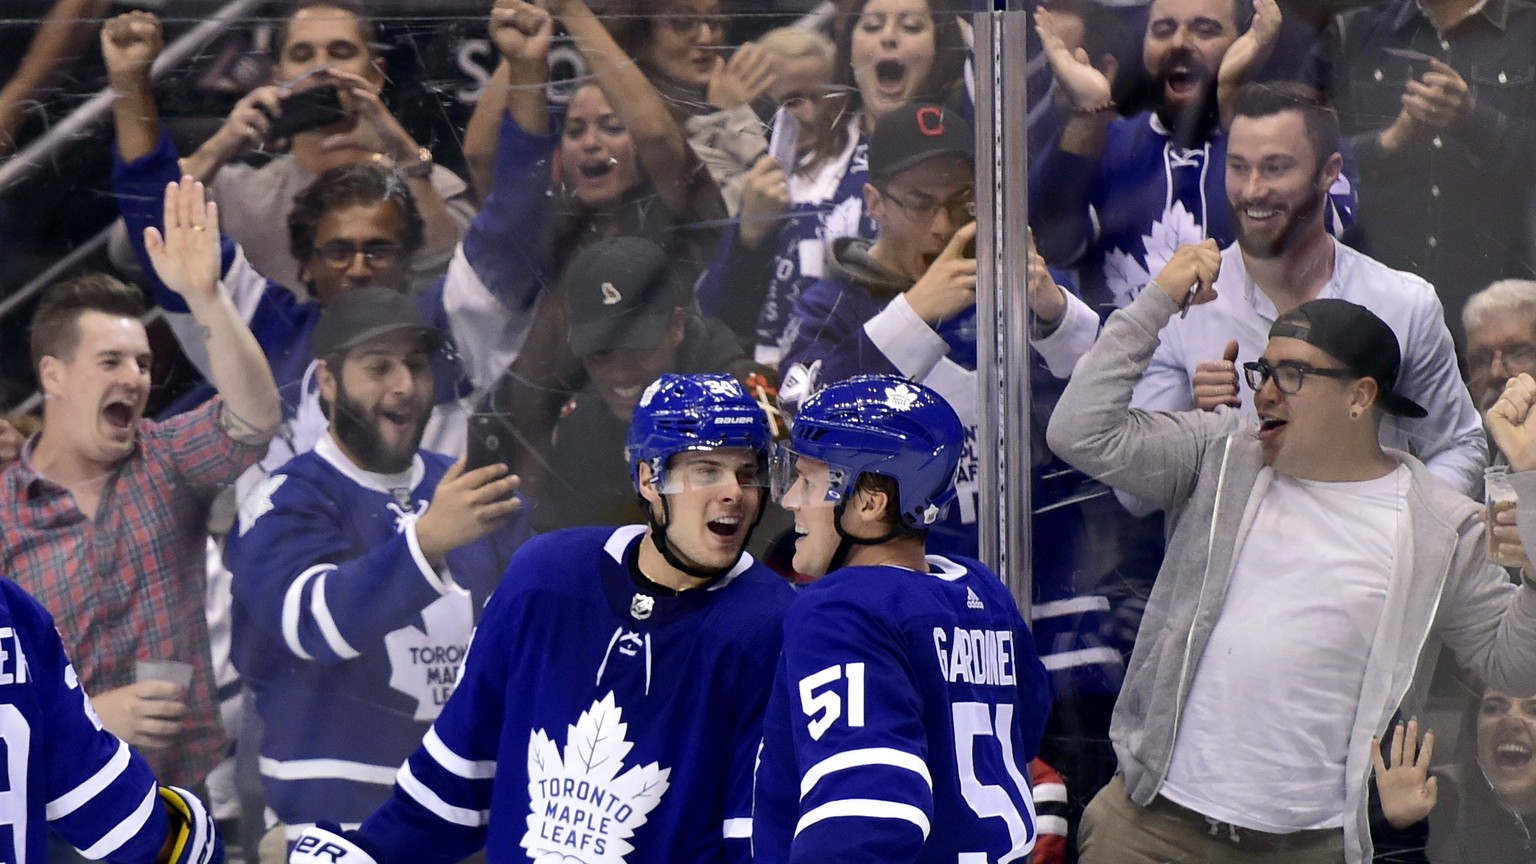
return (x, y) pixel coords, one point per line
(421, 168)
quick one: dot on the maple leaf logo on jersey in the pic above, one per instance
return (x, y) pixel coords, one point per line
(581, 808)
(1126, 276)
(259, 502)
(425, 665)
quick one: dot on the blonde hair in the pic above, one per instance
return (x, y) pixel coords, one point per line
(793, 42)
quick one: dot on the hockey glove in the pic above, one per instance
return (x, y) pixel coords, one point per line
(325, 844)
(192, 839)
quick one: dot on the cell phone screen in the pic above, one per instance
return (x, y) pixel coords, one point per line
(786, 139)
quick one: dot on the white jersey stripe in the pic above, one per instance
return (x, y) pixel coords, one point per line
(867, 808)
(327, 769)
(126, 829)
(881, 756)
(453, 763)
(327, 624)
(739, 828)
(293, 608)
(440, 808)
(81, 795)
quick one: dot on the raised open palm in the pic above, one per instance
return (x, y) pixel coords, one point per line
(186, 255)
(1085, 86)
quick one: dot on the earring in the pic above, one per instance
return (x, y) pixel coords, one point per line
(1354, 414)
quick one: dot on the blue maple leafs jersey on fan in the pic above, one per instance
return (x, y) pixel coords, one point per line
(904, 715)
(61, 770)
(598, 723)
(340, 625)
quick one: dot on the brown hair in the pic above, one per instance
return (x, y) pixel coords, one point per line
(365, 28)
(941, 87)
(56, 323)
(1276, 97)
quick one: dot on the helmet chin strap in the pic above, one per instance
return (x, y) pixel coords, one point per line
(848, 541)
(664, 546)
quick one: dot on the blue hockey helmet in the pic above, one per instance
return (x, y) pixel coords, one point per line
(678, 413)
(889, 426)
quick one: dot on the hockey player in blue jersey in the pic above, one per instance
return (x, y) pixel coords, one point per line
(64, 772)
(909, 700)
(359, 569)
(609, 710)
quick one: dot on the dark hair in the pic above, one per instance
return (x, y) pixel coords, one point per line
(941, 87)
(892, 516)
(1271, 98)
(365, 28)
(56, 323)
(361, 184)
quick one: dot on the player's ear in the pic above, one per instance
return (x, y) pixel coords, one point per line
(647, 489)
(870, 503)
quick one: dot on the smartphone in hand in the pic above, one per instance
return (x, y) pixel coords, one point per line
(491, 440)
(308, 109)
(785, 143)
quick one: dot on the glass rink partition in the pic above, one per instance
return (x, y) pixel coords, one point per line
(586, 195)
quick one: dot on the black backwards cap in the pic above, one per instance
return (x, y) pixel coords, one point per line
(1353, 335)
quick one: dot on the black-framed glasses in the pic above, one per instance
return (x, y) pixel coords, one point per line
(1289, 375)
(340, 253)
(960, 208)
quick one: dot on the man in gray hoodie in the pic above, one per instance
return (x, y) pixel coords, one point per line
(1311, 579)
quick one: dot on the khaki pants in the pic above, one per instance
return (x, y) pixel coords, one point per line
(1115, 831)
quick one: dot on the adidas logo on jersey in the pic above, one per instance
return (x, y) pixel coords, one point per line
(972, 601)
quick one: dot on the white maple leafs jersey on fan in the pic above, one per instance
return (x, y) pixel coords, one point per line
(906, 709)
(600, 724)
(349, 638)
(61, 770)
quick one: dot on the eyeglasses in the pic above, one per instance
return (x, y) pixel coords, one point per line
(1517, 357)
(341, 253)
(960, 209)
(1288, 375)
(684, 24)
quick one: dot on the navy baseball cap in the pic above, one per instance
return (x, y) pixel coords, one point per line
(1356, 337)
(916, 132)
(360, 314)
(622, 294)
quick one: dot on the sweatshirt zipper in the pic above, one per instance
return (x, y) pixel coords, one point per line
(1189, 639)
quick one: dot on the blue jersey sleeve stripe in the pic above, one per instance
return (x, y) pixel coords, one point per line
(864, 808)
(453, 763)
(327, 769)
(327, 623)
(81, 795)
(863, 758)
(738, 829)
(125, 830)
(421, 794)
(293, 607)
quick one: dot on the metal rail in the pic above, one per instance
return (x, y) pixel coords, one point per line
(37, 154)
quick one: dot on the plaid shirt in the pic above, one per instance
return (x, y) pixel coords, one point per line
(131, 584)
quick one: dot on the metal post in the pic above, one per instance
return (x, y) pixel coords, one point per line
(1002, 299)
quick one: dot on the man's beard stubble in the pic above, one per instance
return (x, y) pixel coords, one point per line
(355, 428)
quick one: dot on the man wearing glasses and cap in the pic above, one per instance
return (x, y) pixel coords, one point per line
(905, 303)
(1311, 579)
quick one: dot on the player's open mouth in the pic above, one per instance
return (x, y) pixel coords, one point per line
(1182, 79)
(1510, 755)
(725, 526)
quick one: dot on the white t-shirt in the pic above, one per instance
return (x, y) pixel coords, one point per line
(1265, 730)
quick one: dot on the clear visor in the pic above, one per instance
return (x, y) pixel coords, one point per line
(713, 469)
(801, 481)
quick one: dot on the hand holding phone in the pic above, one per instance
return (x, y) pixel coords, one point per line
(306, 110)
(784, 145)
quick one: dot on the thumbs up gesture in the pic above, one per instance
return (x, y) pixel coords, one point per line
(1216, 381)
